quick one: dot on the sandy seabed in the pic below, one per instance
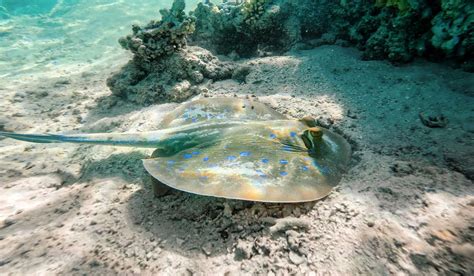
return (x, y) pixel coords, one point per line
(406, 206)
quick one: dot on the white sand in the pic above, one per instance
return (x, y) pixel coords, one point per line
(400, 209)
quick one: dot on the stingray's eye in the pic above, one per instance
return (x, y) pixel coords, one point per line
(316, 132)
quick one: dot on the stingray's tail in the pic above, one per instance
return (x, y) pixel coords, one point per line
(122, 139)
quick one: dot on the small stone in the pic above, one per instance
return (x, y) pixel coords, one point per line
(370, 223)
(8, 222)
(466, 250)
(295, 258)
(243, 251)
(240, 73)
(207, 248)
(94, 263)
(179, 241)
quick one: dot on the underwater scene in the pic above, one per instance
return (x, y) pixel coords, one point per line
(237, 137)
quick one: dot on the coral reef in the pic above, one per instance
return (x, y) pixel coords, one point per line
(163, 68)
(172, 78)
(162, 37)
(453, 28)
(397, 30)
(247, 28)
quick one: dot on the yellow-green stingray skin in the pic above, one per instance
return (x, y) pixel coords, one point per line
(259, 155)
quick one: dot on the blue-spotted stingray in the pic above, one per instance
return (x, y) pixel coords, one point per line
(232, 148)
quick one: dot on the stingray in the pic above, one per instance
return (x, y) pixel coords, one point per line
(232, 148)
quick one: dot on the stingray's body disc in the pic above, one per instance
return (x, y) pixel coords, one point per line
(258, 161)
(218, 110)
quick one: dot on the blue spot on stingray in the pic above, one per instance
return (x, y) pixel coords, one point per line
(265, 160)
(293, 134)
(283, 173)
(187, 155)
(286, 148)
(245, 153)
(283, 161)
(304, 168)
(231, 157)
(171, 162)
(205, 159)
(273, 136)
(261, 173)
(213, 165)
(194, 120)
(196, 152)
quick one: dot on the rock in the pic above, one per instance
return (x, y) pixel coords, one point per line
(179, 241)
(461, 161)
(435, 121)
(287, 223)
(243, 250)
(240, 73)
(295, 258)
(207, 248)
(465, 250)
(8, 222)
(292, 238)
(401, 169)
(419, 259)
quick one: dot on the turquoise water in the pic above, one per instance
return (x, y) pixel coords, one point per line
(37, 35)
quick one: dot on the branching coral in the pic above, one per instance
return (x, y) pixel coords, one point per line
(162, 37)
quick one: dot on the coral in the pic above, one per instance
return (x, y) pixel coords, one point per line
(252, 10)
(163, 68)
(402, 5)
(160, 38)
(172, 78)
(397, 30)
(453, 28)
(245, 28)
